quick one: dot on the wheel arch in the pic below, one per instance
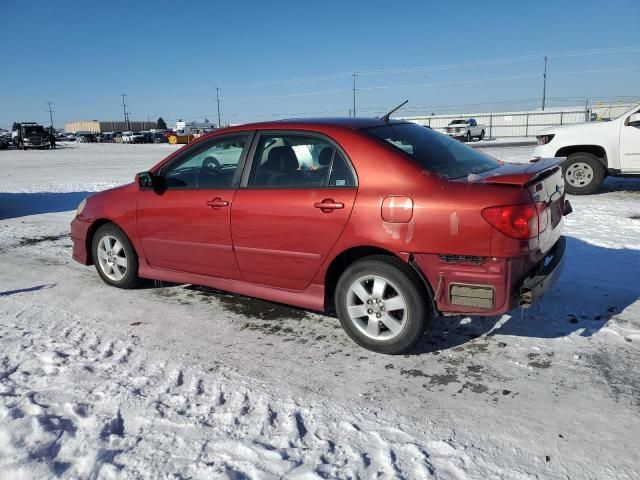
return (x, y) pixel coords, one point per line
(351, 255)
(95, 225)
(596, 150)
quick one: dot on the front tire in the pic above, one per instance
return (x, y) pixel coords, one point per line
(382, 304)
(583, 173)
(114, 257)
(481, 137)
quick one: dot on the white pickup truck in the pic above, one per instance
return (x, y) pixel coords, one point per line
(465, 129)
(594, 150)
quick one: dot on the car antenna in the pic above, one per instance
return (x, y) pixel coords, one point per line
(385, 118)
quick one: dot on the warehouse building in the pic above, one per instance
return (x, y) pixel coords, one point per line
(96, 126)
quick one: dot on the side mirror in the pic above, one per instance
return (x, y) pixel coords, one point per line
(145, 180)
(634, 120)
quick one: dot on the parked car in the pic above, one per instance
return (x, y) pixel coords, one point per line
(86, 138)
(106, 137)
(594, 150)
(139, 137)
(159, 137)
(465, 129)
(126, 137)
(319, 222)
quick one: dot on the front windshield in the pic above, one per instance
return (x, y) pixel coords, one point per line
(436, 152)
(34, 130)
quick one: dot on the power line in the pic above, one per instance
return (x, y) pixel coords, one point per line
(435, 84)
(450, 66)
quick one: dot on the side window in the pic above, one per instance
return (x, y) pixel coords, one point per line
(297, 161)
(211, 165)
(341, 174)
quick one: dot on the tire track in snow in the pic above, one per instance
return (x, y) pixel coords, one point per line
(77, 403)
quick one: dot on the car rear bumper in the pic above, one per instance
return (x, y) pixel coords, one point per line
(484, 286)
(79, 230)
(539, 282)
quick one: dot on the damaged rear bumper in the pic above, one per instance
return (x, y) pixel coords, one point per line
(484, 286)
(546, 275)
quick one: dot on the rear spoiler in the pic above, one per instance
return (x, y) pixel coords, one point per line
(520, 175)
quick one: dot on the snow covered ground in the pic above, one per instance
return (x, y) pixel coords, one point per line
(175, 381)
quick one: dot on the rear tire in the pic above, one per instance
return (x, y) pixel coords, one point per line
(114, 257)
(467, 137)
(382, 304)
(583, 173)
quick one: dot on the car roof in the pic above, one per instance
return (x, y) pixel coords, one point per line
(292, 123)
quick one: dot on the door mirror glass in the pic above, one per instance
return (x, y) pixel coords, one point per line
(145, 180)
(634, 120)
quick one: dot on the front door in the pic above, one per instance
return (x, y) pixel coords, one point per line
(630, 144)
(184, 225)
(296, 202)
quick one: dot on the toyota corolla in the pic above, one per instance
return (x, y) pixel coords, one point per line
(384, 222)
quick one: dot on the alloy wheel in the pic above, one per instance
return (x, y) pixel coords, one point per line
(112, 258)
(376, 307)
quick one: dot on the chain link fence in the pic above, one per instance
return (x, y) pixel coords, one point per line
(527, 123)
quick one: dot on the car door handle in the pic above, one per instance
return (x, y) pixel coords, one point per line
(328, 205)
(217, 203)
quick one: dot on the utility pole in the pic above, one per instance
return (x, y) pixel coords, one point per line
(50, 113)
(354, 93)
(218, 102)
(544, 83)
(127, 124)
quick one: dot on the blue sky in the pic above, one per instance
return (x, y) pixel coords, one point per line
(169, 56)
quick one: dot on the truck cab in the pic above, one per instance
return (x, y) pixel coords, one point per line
(594, 150)
(30, 135)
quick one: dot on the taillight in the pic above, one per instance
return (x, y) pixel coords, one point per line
(523, 221)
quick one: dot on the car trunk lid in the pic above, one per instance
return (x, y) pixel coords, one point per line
(545, 183)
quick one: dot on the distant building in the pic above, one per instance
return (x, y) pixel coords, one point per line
(95, 126)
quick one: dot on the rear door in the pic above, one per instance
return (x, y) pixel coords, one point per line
(185, 224)
(295, 202)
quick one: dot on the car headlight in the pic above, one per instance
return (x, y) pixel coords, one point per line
(544, 139)
(80, 208)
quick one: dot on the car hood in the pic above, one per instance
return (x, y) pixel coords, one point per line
(584, 126)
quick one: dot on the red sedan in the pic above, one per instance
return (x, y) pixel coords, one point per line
(387, 223)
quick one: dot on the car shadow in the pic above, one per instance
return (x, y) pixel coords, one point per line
(597, 283)
(14, 205)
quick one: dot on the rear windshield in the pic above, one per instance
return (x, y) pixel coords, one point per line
(436, 152)
(458, 122)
